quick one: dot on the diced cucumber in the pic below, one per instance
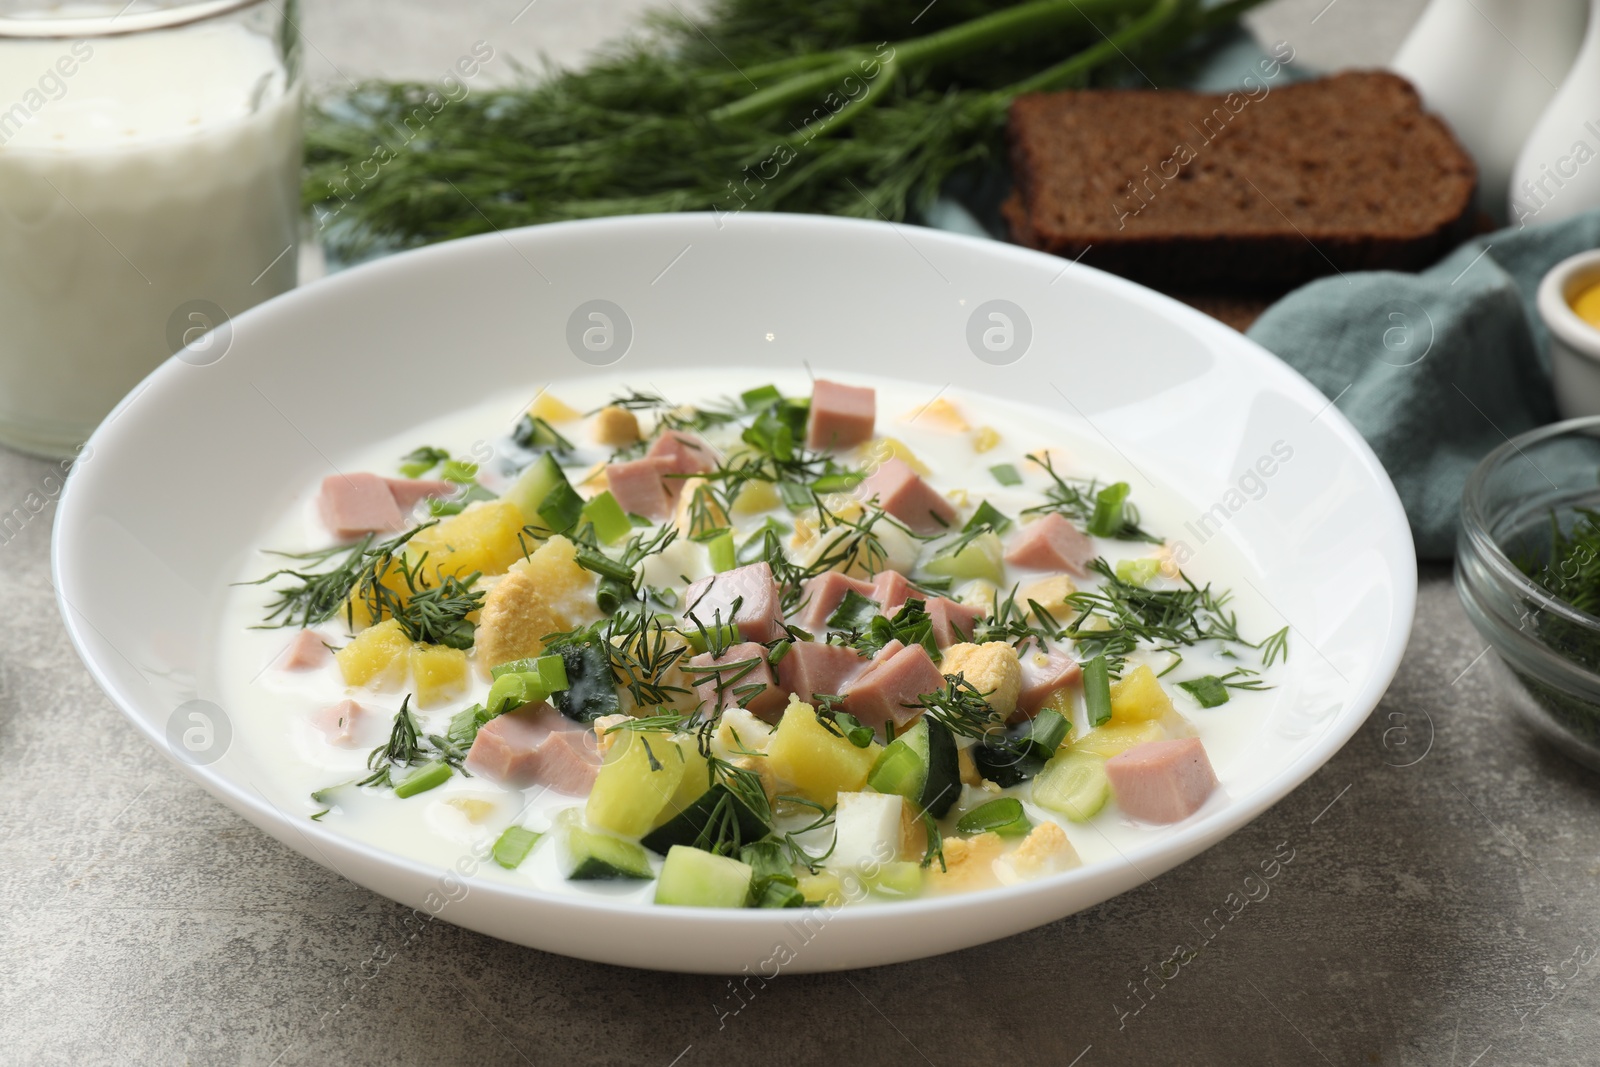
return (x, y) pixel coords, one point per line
(428, 776)
(760, 397)
(586, 855)
(1109, 514)
(920, 765)
(610, 521)
(641, 774)
(696, 879)
(513, 846)
(720, 549)
(775, 894)
(1074, 784)
(1003, 815)
(544, 496)
(1006, 474)
(981, 557)
(900, 879)
(717, 803)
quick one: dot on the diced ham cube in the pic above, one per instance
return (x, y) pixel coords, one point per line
(811, 667)
(408, 491)
(821, 596)
(305, 652)
(890, 589)
(1043, 675)
(842, 416)
(535, 745)
(1052, 543)
(639, 487)
(888, 650)
(568, 763)
(952, 620)
(683, 453)
(881, 694)
(759, 616)
(355, 504)
(1162, 781)
(742, 666)
(346, 724)
(901, 492)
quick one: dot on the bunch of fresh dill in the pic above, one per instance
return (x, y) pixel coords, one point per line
(849, 107)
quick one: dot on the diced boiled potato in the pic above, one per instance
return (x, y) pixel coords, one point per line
(990, 668)
(986, 438)
(641, 774)
(867, 830)
(486, 537)
(545, 594)
(894, 549)
(1051, 595)
(551, 409)
(1115, 738)
(880, 450)
(391, 575)
(438, 674)
(818, 762)
(604, 738)
(1061, 702)
(376, 656)
(696, 777)
(615, 426)
(969, 769)
(1138, 697)
(677, 687)
(756, 497)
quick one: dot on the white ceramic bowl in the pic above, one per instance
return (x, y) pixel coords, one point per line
(189, 469)
(1574, 344)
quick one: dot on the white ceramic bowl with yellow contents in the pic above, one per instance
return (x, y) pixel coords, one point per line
(1570, 285)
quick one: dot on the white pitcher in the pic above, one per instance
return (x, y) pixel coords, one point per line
(1557, 175)
(1490, 68)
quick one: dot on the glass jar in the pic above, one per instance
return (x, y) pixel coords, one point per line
(149, 190)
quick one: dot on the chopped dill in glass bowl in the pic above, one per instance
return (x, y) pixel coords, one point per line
(1528, 572)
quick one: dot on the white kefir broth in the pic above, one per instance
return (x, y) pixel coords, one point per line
(138, 173)
(288, 758)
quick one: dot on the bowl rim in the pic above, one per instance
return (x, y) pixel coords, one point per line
(1475, 528)
(1187, 842)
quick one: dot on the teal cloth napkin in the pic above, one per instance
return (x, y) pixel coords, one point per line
(1434, 369)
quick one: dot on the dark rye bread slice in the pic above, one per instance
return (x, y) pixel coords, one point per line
(1213, 192)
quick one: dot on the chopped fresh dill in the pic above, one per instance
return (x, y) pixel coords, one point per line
(317, 596)
(434, 614)
(1080, 500)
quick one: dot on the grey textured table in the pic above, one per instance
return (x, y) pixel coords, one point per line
(1436, 906)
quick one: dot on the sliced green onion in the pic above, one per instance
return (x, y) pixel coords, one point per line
(1107, 519)
(1209, 690)
(598, 562)
(1003, 816)
(842, 482)
(459, 471)
(550, 669)
(1097, 691)
(987, 517)
(795, 496)
(610, 521)
(1046, 732)
(513, 846)
(514, 690)
(760, 397)
(702, 638)
(1005, 474)
(428, 776)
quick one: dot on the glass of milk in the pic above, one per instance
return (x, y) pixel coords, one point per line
(149, 190)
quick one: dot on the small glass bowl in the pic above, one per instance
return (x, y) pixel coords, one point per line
(1546, 652)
